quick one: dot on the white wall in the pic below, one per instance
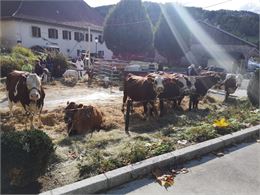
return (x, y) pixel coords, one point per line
(22, 30)
(8, 33)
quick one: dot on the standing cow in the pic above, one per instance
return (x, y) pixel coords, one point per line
(25, 88)
(143, 89)
(202, 85)
(176, 86)
(231, 83)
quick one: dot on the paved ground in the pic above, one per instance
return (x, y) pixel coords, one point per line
(237, 172)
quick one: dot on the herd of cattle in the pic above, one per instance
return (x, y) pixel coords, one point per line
(26, 89)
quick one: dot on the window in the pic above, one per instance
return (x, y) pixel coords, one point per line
(36, 31)
(100, 40)
(78, 36)
(66, 35)
(91, 37)
(86, 38)
(53, 33)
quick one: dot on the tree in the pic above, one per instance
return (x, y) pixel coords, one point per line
(171, 36)
(128, 29)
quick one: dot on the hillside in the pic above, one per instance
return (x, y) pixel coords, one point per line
(241, 23)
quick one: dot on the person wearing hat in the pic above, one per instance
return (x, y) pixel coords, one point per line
(27, 67)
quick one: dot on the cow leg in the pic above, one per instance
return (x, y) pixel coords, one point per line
(131, 107)
(145, 110)
(226, 96)
(10, 105)
(153, 109)
(31, 122)
(161, 107)
(40, 120)
(124, 100)
(190, 103)
(196, 104)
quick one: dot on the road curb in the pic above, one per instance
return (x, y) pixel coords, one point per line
(125, 174)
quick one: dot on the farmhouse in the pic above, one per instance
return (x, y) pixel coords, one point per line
(237, 49)
(72, 27)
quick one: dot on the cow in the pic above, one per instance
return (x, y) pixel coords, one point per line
(202, 85)
(143, 89)
(176, 86)
(82, 119)
(231, 83)
(25, 88)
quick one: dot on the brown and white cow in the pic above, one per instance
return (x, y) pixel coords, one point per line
(26, 89)
(82, 119)
(176, 86)
(202, 85)
(231, 83)
(143, 89)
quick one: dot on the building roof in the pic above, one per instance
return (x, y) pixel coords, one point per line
(74, 13)
(232, 38)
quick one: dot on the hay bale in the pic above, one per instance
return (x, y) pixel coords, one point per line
(69, 81)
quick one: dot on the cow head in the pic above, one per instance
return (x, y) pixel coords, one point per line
(33, 83)
(157, 82)
(186, 85)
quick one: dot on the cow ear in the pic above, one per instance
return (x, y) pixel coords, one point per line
(150, 79)
(68, 102)
(80, 106)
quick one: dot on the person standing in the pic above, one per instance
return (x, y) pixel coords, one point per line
(80, 66)
(27, 67)
(38, 68)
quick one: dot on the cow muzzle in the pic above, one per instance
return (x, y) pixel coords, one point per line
(159, 90)
(34, 95)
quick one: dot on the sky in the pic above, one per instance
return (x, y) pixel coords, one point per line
(249, 5)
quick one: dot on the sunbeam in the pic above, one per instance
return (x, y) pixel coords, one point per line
(217, 53)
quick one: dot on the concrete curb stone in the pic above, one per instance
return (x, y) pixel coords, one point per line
(118, 176)
(125, 174)
(86, 186)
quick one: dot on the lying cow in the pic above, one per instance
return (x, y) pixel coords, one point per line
(143, 89)
(82, 119)
(25, 88)
(202, 85)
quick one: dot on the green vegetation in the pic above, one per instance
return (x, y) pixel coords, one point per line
(244, 24)
(59, 63)
(15, 59)
(26, 155)
(128, 29)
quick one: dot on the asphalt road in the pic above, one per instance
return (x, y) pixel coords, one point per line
(237, 172)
